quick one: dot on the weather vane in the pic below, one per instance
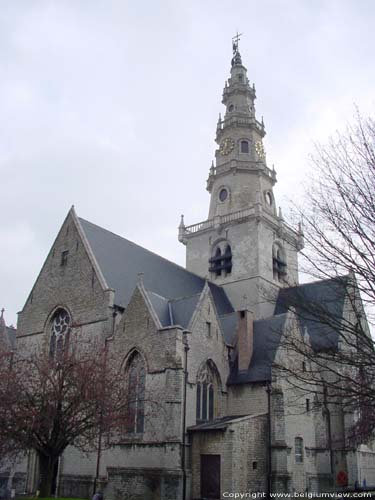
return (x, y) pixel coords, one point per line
(235, 41)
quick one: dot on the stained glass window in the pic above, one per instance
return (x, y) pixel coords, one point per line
(60, 330)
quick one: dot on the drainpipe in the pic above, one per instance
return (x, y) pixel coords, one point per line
(183, 461)
(329, 431)
(100, 436)
(269, 449)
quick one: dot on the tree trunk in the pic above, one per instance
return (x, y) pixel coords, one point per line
(46, 474)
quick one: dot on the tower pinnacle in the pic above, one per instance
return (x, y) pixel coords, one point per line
(236, 59)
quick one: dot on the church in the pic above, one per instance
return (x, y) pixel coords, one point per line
(202, 340)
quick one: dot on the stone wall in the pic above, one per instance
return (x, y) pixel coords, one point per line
(242, 447)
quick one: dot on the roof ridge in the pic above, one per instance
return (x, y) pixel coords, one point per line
(274, 316)
(315, 282)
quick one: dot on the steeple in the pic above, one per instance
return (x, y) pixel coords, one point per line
(239, 136)
(244, 245)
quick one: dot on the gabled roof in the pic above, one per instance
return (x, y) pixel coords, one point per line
(319, 307)
(171, 288)
(267, 335)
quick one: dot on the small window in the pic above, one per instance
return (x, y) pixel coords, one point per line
(298, 449)
(244, 147)
(230, 108)
(307, 405)
(208, 325)
(223, 195)
(64, 257)
(240, 77)
(255, 465)
(303, 366)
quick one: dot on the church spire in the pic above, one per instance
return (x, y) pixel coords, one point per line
(239, 135)
(236, 60)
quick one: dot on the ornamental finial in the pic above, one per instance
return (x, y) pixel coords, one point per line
(235, 41)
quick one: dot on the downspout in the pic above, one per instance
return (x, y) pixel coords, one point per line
(183, 453)
(100, 436)
(329, 430)
(269, 447)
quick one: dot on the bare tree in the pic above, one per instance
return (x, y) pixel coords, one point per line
(337, 351)
(50, 402)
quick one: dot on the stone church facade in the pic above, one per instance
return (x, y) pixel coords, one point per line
(201, 341)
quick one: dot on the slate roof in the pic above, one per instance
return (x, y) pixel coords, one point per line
(219, 424)
(319, 307)
(267, 334)
(174, 293)
(172, 290)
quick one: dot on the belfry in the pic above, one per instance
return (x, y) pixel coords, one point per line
(245, 244)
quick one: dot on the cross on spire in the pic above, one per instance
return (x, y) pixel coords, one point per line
(235, 41)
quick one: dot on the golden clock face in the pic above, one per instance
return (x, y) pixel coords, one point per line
(226, 146)
(259, 148)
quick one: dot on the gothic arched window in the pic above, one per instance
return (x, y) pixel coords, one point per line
(244, 147)
(208, 385)
(278, 262)
(136, 385)
(60, 330)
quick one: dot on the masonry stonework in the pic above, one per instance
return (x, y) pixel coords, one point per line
(218, 416)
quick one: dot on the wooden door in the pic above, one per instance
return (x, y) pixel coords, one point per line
(210, 476)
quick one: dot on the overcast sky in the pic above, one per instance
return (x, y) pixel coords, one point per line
(112, 106)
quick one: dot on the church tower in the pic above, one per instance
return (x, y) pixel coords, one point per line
(244, 245)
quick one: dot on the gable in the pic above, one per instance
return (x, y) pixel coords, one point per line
(69, 278)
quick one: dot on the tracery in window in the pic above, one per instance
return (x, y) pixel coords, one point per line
(135, 383)
(60, 330)
(208, 385)
(278, 262)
